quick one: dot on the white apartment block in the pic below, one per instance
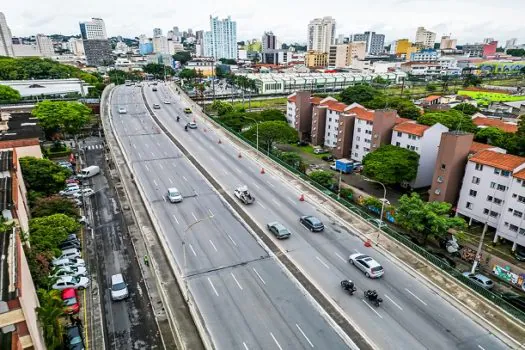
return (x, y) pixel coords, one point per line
(493, 192)
(321, 34)
(424, 140)
(426, 38)
(160, 45)
(6, 40)
(333, 112)
(221, 40)
(76, 46)
(93, 30)
(362, 141)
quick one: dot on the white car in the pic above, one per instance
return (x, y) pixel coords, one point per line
(192, 125)
(85, 192)
(71, 282)
(70, 253)
(167, 102)
(74, 271)
(369, 266)
(119, 288)
(60, 262)
(69, 191)
(122, 110)
(174, 195)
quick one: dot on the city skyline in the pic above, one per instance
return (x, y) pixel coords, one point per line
(466, 20)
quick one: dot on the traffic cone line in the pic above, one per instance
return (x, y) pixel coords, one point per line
(301, 198)
(219, 141)
(262, 170)
(240, 155)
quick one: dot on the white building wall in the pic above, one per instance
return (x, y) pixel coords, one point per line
(290, 113)
(512, 222)
(362, 139)
(331, 128)
(428, 151)
(45, 45)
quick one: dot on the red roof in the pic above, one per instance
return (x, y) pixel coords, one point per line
(316, 100)
(412, 128)
(520, 174)
(292, 98)
(497, 160)
(362, 113)
(478, 146)
(335, 106)
(431, 98)
(496, 123)
(400, 120)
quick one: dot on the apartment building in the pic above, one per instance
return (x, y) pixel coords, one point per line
(482, 121)
(321, 34)
(493, 192)
(314, 59)
(299, 112)
(424, 140)
(342, 55)
(425, 38)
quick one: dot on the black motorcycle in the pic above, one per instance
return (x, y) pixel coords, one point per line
(185, 128)
(178, 118)
(348, 286)
(373, 297)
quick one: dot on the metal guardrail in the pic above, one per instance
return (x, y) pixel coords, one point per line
(493, 297)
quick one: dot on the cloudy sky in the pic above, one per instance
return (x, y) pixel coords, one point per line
(467, 20)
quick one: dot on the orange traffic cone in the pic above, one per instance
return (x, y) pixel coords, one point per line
(240, 155)
(301, 198)
(262, 170)
(220, 141)
(368, 243)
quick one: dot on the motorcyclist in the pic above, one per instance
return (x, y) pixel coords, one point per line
(371, 294)
(178, 118)
(349, 285)
(186, 127)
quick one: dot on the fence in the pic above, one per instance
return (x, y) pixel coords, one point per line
(358, 210)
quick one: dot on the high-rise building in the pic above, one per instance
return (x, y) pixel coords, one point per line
(76, 46)
(511, 43)
(199, 35)
(221, 40)
(176, 31)
(375, 43)
(160, 45)
(6, 39)
(488, 40)
(321, 34)
(93, 30)
(425, 38)
(447, 43)
(45, 45)
(157, 32)
(269, 41)
(341, 55)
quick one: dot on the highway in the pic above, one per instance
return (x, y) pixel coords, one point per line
(244, 298)
(413, 316)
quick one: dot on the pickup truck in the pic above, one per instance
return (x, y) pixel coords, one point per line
(244, 195)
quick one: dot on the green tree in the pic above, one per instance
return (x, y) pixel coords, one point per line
(471, 80)
(431, 87)
(182, 56)
(359, 93)
(49, 313)
(292, 159)
(516, 52)
(346, 193)
(271, 132)
(54, 205)
(46, 233)
(220, 72)
(322, 177)
(466, 108)
(158, 70)
(43, 176)
(39, 266)
(391, 165)
(373, 202)
(221, 107)
(228, 61)
(452, 119)
(65, 116)
(491, 135)
(187, 74)
(404, 107)
(8, 94)
(426, 218)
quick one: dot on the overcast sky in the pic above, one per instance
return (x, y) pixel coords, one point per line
(467, 20)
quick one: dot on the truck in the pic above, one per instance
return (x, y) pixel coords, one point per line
(344, 165)
(243, 194)
(88, 172)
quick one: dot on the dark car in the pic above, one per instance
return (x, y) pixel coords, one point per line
(312, 223)
(327, 158)
(68, 244)
(278, 230)
(302, 143)
(74, 338)
(520, 254)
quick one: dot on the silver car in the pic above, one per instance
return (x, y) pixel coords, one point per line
(278, 230)
(369, 266)
(174, 195)
(480, 280)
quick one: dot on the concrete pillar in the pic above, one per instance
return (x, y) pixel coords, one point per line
(514, 246)
(470, 222)
(496, 238)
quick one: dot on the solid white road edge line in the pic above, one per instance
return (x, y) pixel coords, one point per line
(304, 335)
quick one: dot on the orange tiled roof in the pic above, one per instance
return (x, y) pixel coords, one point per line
(292, 98)
(497, 160)
(478, 146)
(520, 174)
(363, 113)
(497, 123)
(335, 106)
(431, 98)
(316, 100)
(412, 128)
(400, 120)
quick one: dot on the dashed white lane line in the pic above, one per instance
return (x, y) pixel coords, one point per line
(211, 213)
(269, 183)
(393, 302)
(415, 296)
(213, 245)
(238, 170)
(231, 239)
(158, 144)
(276, 202)
(257, 273)
(340, 257)
(160, 165)
(170, 180)
(276, 342)
(194, 216)
(257, 186)
(481, 347)
(147, 167)
(291, 201)
(156, 184)
(371, 308)
(245, 346)
(304, 335)
(134, 146)
(238, 284)
(184, 177)
(192, 250)
(259, 202)
(226, 173)
(152, 154)
(140, 156)
(322, 262)
(213, 287)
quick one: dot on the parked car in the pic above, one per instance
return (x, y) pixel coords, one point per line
(319, 150)
(516, 300)
(58, 262)
(89, 171)
(302, 143)
(119, 288)
(75, 271)
(174, 195)
(328, 158)
(70, 253)
(71, 282)
(72, 237)
(85, 192)
(370, 267)
(312, 223)
(69, 245)
(69, 191)
(71, 301)
(520, 254)
(480, 280)
(74, 338)
(384, 200)
(278, 230)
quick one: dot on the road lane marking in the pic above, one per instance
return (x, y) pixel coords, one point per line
(340, 257)
(322, 262)
(292, 201)
(259, 202)
(415, 296)
(194, 216)
(213, 287)
(177, 221)
(171, 181)
(164, 198)
(269, 183)
(135, 147)
(158, 144)
(155, 182)
(371, 308)
(245, 346)
(226, 173)
(160, 165)
(276, 202)
(257, 186)
(304, 335)
(481, 347)
(184, 178)
(147, 167)
(238, 284)
(192, 250)
(355, 250)
(231, 239)
(213, 245)
(211, 213)
(393, 302)
(257, 273)
(276, 342)
(139, 155)
(238, 170)
(152, 154)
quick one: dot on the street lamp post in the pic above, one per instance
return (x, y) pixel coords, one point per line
(382, 206)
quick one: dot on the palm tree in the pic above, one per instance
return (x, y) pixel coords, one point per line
(49, 312)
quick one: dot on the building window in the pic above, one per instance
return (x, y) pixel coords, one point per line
(513, 228)
(502, 188)
(473, 193)
(511, 210)
(412, 147)
(475, 180)
(489, 198)
(356, 154)
(521, 199)
(358, 129)
(485, 211)
(328, 134)
(498, 201)
(518, 213)
(505, 173)
(497, 171)
(399, 133)
(479, 167)
(493, 184)
(469, 205)
(398, 144)
(356, 146)
(440, 179)
(358, 138)
(443, 166)
(329, 119)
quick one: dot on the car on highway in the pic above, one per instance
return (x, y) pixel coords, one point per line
(71, 301)
(480, 280)
(312, 223)
(119, 288)
(192, 125)
(74, 339)
(174, 195)
(370, 267)
(187, 110)
(58, 262)
(64, 282)
(156, 106)
(278, 230)
(167, 102)
(69, 271)
(122, 110)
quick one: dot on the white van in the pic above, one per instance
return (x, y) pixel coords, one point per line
(88, 172)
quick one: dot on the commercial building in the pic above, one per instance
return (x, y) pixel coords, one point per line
(321, 34)
(473, 50)
(26, 50)
(76, 46)
(6, 39)
(422, 68)
(160, 45)
(221, 40)
(98, 52)
(426, 55)
(447, 43)
(45, 45)
(314, 59)
(157, 32)
(341, 55)
(375, 43)
(278, 57)
(269, 42)
(511, 43)
(489, 49)
(425, 38)
(93, 30)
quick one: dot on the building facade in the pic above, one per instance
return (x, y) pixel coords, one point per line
(375, 43)
(269, 42)
(425, 38)
(426, 55)
(45, 45)
(221, 40)
(447, 43)
(6, 39)
(342, 55)
(314, 59)
(321, 34)
(160, 45)
(473, 50)
(93, 30)
(76, 46)
(98, 52)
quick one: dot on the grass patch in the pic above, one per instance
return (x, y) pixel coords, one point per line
(269, 103)
(308, 149)
(485, 98)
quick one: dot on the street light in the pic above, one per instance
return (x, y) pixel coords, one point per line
(382, 205)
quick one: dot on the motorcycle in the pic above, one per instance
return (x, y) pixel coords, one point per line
(178, 118)
(349, 286)
(373, 297)
(185, 128)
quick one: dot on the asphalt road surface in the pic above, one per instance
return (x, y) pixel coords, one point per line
(244, 298)
(412, 315)
(130, 323)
